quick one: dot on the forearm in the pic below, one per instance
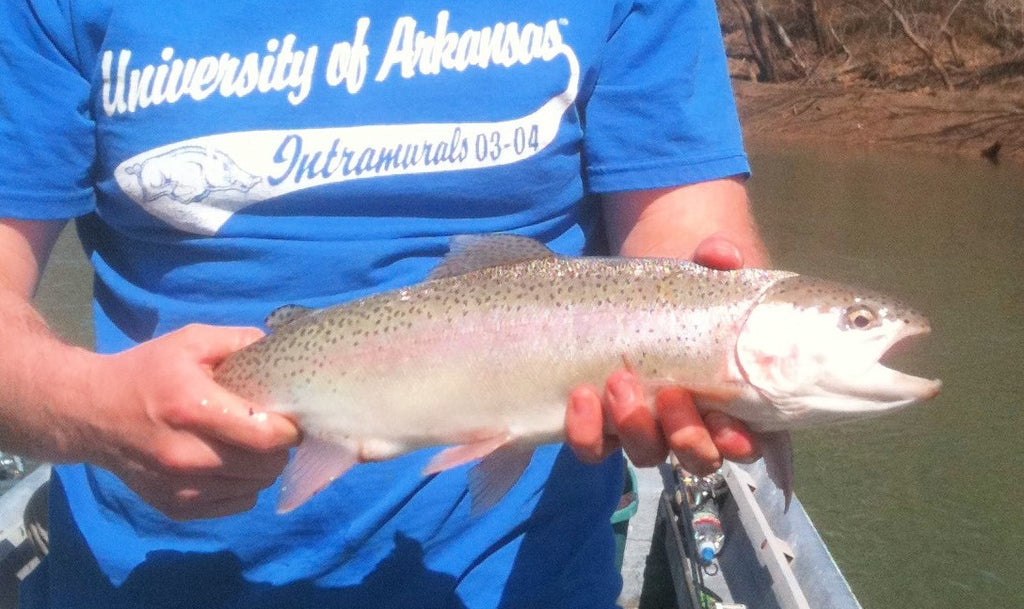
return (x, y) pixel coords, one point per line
(672, 222)
(42, 382)
(42, 378)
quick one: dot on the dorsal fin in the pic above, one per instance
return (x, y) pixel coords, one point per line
(468, 253)
(285, 315)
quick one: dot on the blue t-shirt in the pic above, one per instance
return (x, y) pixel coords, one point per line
(225, 158)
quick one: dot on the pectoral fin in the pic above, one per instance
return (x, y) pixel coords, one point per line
(719, 393)
(777, 449)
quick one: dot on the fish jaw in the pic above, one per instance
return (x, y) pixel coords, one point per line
(881, 388)
(811, 350)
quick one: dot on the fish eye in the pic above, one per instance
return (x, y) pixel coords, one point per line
(860, 317)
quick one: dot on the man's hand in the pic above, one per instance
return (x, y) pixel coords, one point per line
(596, 427)
(152, 415)
(183, 443)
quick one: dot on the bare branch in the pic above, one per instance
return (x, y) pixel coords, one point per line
(920, 44)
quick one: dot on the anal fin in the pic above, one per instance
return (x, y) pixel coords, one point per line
(316, 464)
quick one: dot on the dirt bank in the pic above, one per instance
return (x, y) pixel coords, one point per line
(941, 122)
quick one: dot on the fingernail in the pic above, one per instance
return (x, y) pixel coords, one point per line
(622, 391)
(578, 400)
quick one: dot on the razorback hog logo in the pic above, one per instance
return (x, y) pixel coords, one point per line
(189, 174)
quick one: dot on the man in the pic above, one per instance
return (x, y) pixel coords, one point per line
(224, 160)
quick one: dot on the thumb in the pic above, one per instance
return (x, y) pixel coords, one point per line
(211, 344)
(718, 252)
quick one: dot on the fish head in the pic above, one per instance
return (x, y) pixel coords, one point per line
(812, 349)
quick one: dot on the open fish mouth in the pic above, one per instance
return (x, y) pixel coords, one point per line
(891, 387)
(849, 390)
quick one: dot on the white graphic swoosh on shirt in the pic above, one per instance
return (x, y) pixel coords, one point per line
(196, 185)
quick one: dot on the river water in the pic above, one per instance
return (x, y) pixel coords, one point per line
(922, 509)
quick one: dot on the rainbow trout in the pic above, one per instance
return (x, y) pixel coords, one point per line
(482, 356)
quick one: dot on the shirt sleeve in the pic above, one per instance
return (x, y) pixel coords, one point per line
(662, 111)
(47, 141)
